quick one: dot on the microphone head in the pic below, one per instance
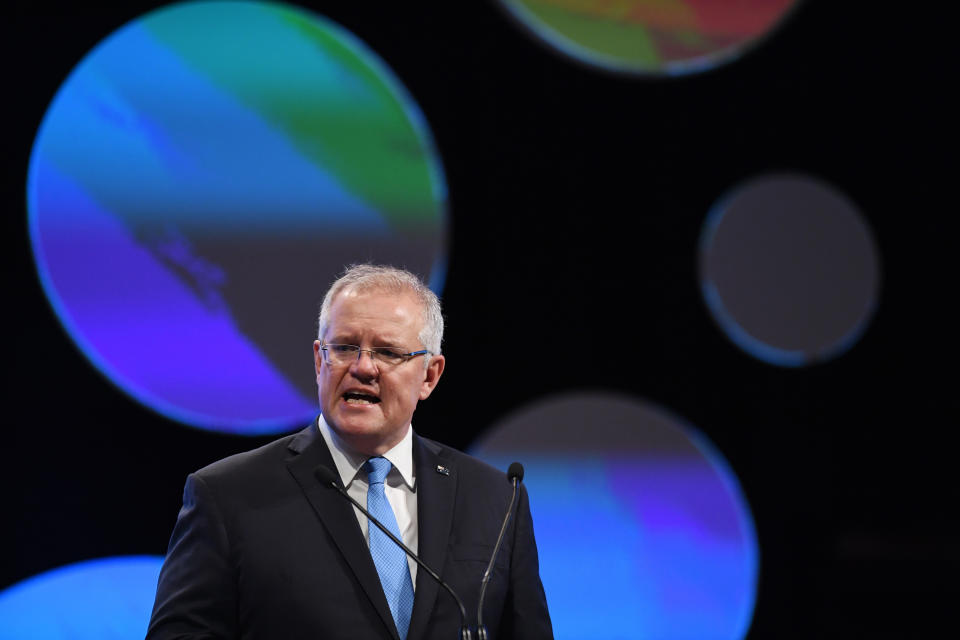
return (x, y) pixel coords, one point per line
(515, 471)
(325, 476)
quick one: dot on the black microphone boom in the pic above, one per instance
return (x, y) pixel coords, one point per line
(327, 478)
(515, 476)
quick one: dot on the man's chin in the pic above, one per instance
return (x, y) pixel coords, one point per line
(353, 429)
(369, 437)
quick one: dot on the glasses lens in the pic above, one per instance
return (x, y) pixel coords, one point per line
(344, 354)
(341, 353)
(388, 356)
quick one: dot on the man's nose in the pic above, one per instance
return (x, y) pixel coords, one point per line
(365, 366)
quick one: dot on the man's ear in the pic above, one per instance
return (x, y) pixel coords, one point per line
(317, 357)
(434, 371)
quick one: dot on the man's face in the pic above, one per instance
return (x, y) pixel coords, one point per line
(367, 403)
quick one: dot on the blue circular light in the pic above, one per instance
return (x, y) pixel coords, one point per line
(105, 599)
(642, 528)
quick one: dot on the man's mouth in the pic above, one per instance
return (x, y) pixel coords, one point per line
(354, 397)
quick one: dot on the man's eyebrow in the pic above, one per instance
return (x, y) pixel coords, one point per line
(388, 344)
(376, 343)
(391, 347)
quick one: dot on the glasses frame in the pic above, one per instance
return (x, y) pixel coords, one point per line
(374, 354)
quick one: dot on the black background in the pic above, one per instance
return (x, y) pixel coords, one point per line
(576, 201)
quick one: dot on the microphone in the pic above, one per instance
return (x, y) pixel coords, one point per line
(515, 476)
(328, 479)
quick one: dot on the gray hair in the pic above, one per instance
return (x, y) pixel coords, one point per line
(371, 277)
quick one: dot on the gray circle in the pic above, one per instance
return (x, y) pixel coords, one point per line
(789, 269)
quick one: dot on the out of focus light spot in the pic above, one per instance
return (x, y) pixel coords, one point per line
(789, 269)
(641, 526)
(105, 599)
(198, 181)
(650, 36)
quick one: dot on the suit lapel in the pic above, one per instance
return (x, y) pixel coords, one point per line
(337, 516)
(436, 494)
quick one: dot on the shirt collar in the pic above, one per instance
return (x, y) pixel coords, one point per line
(349, 462)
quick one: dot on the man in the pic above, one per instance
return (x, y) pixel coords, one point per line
(263, 549)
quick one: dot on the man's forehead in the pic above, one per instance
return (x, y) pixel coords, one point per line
(388, 309)
(371, 289)
(390, 297)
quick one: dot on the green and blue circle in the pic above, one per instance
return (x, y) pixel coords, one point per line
(197, 182)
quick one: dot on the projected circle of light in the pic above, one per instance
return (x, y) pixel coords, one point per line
(104, 599)
(200, 178)
(650, 36)
(641, 526)
(789, 269)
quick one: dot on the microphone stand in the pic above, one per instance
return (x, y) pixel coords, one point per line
(515, 474)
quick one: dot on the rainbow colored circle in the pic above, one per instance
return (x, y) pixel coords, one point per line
(656, 37)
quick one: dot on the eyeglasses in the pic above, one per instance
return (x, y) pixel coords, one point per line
(345, 354)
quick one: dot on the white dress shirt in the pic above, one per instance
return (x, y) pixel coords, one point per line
(400, 486)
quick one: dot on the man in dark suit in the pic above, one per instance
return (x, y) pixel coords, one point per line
(262, 549)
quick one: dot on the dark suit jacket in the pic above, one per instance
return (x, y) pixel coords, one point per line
(262, 550)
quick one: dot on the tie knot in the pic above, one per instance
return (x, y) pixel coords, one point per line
(377, 469)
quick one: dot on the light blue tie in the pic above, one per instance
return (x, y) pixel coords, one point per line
(390, 560)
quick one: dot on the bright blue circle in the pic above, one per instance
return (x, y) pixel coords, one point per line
(104, 599)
